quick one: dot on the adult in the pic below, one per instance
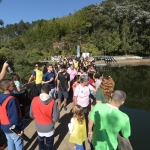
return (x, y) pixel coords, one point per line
(82, 71)
(45, 112)
(105, 90)
(82, 92)
(45, 68)
(49, 77)
(3, 71)
(63, 86)
(108, 121)
(91, 80)
(70, 62)
(37, 74)
(75, 64)
(98, 79)
(72, 72)
(92, 83)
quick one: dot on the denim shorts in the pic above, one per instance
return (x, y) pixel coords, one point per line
(14, 142)
(62, 94)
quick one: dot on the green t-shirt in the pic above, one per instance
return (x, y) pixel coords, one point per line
(100, 96)
(108, 122)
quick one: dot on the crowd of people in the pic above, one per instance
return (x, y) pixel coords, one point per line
(95, 113)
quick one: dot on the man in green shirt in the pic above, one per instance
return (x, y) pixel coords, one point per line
(108, 121)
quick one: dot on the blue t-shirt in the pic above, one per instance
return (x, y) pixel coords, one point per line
(17, 83)
(47, 76)
(34, 73)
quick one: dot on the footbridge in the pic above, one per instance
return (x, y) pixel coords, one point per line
(108, 60)
(61, 140)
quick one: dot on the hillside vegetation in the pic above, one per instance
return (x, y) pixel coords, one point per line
(113, 27)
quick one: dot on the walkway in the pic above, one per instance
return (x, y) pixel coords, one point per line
(61, 141)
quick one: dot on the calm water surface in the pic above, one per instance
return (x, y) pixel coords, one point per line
(135, 81)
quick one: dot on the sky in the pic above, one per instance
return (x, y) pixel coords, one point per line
(12, 11)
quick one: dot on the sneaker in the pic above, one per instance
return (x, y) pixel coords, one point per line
(65, 108)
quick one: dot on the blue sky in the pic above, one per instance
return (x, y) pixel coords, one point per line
(12, 11)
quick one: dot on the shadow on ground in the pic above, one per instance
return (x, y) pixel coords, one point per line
(62, 128)
(34, 136)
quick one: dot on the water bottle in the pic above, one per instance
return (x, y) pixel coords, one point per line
(10, 70)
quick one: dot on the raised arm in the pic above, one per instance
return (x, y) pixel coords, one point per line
(3, 71)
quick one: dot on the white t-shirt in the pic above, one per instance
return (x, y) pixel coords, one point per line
(98, 83)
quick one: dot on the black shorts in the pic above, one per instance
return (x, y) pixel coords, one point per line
(62, 94)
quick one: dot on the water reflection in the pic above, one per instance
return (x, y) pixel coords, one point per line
(135, 81)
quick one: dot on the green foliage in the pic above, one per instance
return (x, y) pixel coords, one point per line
(23, 68)
(113, 27)
(34, 55)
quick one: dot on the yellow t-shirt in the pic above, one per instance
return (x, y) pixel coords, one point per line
(78, 135)
(39, 75)
(76, 64)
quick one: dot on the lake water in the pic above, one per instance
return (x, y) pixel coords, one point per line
(135, 82)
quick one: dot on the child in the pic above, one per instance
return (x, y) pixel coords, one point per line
(20, 94)
(10, 114)
(77, 128)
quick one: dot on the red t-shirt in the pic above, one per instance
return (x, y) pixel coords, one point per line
(91, 81)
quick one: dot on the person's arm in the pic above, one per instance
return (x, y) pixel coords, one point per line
(91, 121)
(51, 79)
(58, 82)
(68, 86)
(20, 89)
(92, 88)
(90, 127)
(3, 71)
(126, 129)
(56, 112)
(75, 100)
(56, 77)
(71, 125)
(31, 112)
(44, 79)
(73, 86)
(13, 114)
(68, 83)
(76, 92)
(93, 84)
(32, 76)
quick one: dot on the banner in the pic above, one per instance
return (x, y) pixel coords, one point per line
(78, 50)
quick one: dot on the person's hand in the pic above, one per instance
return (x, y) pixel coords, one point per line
(90, 136)
(21, 133)
(5, 64)
(90, 133)
(68, 89)
(57, 89)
